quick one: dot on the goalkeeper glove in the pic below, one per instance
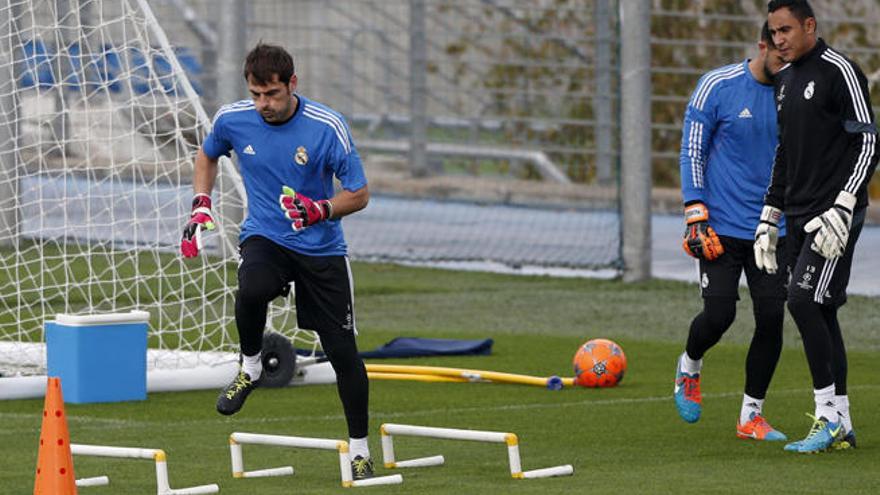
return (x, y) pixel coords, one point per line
(766, 236)
(200, 219)
(700, 239)
(832, 227)
(303, 210)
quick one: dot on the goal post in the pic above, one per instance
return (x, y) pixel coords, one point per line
(99, 129)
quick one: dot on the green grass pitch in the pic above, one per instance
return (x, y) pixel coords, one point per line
(627, 439)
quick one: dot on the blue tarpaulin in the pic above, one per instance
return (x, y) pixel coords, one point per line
(416, 347)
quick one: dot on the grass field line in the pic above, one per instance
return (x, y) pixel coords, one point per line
(86, 423)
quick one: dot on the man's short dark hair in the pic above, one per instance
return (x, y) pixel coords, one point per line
(266, 61)
(766, 37)
(800, 9)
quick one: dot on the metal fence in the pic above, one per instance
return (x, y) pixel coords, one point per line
(505, 102)
(487, 115)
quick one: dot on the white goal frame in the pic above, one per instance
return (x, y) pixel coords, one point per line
(94, 183)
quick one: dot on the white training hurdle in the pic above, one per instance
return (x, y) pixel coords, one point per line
(94, 481)
(388, 430)
(341, 446)
(158, 455)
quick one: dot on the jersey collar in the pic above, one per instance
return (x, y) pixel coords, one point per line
(816, 51)
(752, 76)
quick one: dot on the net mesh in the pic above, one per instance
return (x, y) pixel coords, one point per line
(99, 127)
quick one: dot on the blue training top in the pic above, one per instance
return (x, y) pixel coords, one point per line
(304, 153)
(728, 144)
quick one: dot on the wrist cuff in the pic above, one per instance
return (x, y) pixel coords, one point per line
(327, 206)
(771, 215)
(201, 200)
(696, 212)
(846, 201)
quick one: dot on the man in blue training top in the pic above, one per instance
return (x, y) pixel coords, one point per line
(289, 148)
(727, 147)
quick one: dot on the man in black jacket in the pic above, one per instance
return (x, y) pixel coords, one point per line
(825, 158)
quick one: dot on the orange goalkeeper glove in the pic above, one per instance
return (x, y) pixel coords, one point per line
(700, 239)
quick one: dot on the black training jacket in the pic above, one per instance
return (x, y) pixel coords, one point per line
(827, 133)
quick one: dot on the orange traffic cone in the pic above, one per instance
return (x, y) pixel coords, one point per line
(55, 462)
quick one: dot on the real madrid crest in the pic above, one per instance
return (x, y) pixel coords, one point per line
(808, 92)
(301, 157)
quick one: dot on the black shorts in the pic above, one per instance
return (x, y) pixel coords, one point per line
(323, 287)
(720, 277)
(813, 277)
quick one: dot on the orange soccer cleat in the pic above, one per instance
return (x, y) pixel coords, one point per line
(758, 428)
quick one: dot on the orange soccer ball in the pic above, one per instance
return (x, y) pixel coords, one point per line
(599, 363)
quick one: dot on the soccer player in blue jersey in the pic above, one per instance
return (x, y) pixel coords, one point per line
(290, 149)
(727, 147)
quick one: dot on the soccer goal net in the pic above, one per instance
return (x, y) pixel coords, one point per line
(99, 127)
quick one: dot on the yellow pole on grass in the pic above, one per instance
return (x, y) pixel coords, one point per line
(466, 374)
(377, 375)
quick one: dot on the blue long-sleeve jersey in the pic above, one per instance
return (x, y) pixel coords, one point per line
(305, 153)
(728, 144)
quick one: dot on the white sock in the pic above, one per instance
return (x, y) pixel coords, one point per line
(825, 405)
(688, 365)
(252, 365)
(843, 409)
(359, 447)
(750, 406)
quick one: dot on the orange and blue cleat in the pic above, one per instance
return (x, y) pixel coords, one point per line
(758, 428)
(688, 399)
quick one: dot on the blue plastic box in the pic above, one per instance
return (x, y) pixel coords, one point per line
(99, 358)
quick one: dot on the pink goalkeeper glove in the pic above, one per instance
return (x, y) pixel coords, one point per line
(303, 210)
(200, 219)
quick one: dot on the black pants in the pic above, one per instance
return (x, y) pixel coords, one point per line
(815, 293)
(719, 284)
(324, 303)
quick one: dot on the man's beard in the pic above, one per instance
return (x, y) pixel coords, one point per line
(767, 72)
(273, 117)
(270, 117)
